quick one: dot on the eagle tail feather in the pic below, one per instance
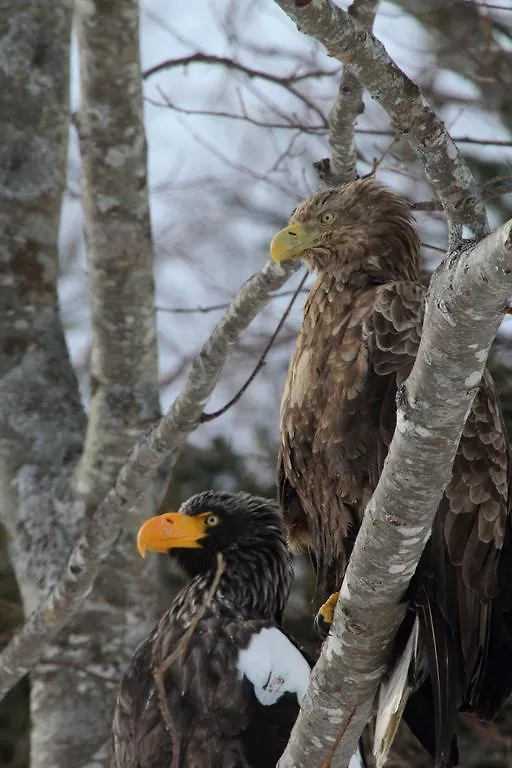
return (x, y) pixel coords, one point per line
(441, 657)
(394, 692)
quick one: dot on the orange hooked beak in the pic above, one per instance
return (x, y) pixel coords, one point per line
(173, 530)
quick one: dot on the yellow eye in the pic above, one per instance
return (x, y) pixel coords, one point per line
(212, 520)
(326, 218)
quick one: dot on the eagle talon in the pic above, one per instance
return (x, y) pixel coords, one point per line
(325, 615)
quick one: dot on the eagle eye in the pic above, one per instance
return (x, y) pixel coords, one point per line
(212, 520)
(326, 218)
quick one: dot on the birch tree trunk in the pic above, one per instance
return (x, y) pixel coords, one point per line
(41, 419)
(42, 424)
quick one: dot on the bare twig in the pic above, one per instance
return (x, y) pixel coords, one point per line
(79, 668)
(221, 567)
(158, 678)
(261, 362)
(214, 307)
(293, 124)
(332, 751)
(227, 63)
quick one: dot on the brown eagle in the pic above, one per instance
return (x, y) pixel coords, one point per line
(358, 341)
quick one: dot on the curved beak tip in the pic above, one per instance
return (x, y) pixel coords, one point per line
(281, 246)
(141, 546)
(154, 535)
(290, 242)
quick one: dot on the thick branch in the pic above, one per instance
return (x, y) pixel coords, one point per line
(164, 439)
(466, 302)
(349, 41)
(124, 394)
(41, 418)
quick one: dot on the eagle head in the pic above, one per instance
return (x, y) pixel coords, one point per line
(361, 224)
(246, 531)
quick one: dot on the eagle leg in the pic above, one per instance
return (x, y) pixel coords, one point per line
(325, 615)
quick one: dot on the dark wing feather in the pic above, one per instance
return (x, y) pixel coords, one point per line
(478, 494)
(434, 590)
(476, 517)
(296, 519)
(217, 720)
(207, 702)
(392, 329)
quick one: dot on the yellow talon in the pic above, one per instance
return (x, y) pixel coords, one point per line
(325, 615)
(327, 609)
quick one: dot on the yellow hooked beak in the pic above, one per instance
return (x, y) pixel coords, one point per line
(170, 531)
(292, 241)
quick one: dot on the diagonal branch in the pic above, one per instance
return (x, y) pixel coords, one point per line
(261, 362)
(466, 302)
(350, 42)
(164, 439)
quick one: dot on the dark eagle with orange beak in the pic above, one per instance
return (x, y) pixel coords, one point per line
(357, 345)
(232, 679)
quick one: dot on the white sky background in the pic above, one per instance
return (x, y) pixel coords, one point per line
(220, 187)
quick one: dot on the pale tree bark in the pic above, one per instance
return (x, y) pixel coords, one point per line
(124, 385)
(467, 42)
(41, 419)
(70, 706)
(345, 112)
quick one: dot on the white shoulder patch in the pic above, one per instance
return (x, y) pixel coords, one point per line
(274, 666)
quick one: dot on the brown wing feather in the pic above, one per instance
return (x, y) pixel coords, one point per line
(478, 494)
(337, 420)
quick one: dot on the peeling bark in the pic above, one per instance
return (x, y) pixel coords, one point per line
(466, 302)
(348, 40)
